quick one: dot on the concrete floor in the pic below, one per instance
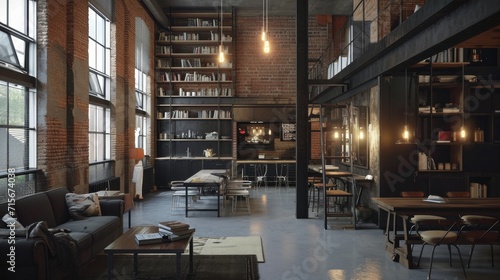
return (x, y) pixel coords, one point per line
(303, 249)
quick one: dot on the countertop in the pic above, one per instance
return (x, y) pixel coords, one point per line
(265, 161)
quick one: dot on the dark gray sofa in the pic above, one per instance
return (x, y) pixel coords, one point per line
(32, 258)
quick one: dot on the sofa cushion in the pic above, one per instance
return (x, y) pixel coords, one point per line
(97, 226)
(57, 199)
(8, 219)
(81, 206)
(35, 208)
(83, 239)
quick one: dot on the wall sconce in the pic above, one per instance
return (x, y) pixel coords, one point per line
(361, 133)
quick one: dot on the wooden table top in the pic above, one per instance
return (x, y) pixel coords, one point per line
(205, 176)
(126, 243)
(459, 206)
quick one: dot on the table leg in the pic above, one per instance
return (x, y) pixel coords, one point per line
(129, 217)
(178, 271)
(136, 264)
(186, 197)
(110, 266)
(191, 256)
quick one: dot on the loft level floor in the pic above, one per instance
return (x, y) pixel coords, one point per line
(302, 249)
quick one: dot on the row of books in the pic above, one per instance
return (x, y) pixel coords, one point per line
(202, 114)
(478, 190)
(201, 92)
(167, 232)
(193, 77)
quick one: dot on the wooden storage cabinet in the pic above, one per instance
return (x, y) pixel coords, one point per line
(193, 113)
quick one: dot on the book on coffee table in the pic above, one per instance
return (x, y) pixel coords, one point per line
(174, 237)
(150, 238)
(173, 226)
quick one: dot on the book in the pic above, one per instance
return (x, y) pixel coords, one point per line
(149, 238)
(435, 199)
(173, 226)
(175, 237)
(176, 232)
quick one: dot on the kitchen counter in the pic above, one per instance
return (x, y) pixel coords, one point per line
(265, 161)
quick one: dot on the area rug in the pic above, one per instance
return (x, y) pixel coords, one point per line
(233, 245)
(205, 267)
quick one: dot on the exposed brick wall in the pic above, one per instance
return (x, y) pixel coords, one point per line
(272, 75)
(63, 90)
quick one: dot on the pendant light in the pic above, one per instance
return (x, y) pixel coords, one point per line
(221, 47)
(406, 133)
(264, 35)
(267, 47)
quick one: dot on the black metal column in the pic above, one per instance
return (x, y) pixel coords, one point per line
(301, 107)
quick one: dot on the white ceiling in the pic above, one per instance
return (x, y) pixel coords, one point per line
(276, 7)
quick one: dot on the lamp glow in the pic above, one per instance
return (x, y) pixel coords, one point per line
(361, 133)
(406, 133)
(267, 47)
(462, 132)
(264, 35)
(221, 53)
(336, 135)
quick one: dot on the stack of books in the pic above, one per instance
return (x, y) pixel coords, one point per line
(175, 230)
(149, 238)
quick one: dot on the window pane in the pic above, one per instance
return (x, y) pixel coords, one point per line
(92, 50)
(7, 52)
(100, 30)
(99, 119)
(108, 61)
(3, 13)
(32, 19)
(16, 105)
(99, 58)
(92, 26)
(3, 104)
(91, 118)
(20, 46)
(94, 84)
(32, 152)
(17, 141)
(108, 121)
(107, 154)
(3, 148)
(92, 141)
(100, 146)
(17, 15)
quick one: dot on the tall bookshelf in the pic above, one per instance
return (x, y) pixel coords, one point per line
(193, 92)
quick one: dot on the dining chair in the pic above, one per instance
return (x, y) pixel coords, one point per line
(238, 190)
(420, 221)
(448, 237)
(480, 230)
(261, 174)
(282, 175)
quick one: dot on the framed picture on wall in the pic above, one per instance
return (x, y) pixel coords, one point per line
(288, 132)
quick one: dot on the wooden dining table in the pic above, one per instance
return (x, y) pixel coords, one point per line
(405, 208)
(205, 179)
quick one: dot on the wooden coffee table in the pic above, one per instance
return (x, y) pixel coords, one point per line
(126, 244)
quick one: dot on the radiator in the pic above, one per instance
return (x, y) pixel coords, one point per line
(110, 184)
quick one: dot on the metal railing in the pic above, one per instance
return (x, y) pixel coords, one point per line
(370, 22)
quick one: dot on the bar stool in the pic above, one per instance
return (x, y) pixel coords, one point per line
(317, 187)
(260, 174)
(282, 175)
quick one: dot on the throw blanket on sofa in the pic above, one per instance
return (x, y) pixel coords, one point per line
(61, 245)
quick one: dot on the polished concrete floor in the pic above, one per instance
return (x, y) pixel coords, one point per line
(302, 248)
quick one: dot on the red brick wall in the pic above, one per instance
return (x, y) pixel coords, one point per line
(63, 90)
(272, 75)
